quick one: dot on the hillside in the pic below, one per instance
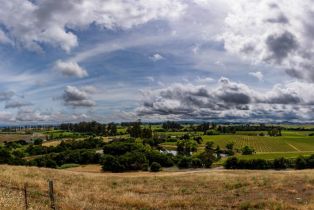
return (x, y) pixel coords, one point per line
(204, 189)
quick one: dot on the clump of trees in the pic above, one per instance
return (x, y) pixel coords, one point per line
(80, 151)
(89, 143)
(53, 160)
(91, 128)
(274, 132)
(132, 155)
(136, 131)
(171, 126)
(246, 150)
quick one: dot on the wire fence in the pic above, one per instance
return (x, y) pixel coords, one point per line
(28, 194)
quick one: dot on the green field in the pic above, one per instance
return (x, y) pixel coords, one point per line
(285, 143)
(290, 145)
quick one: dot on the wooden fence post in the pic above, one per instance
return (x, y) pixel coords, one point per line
(51, 195)
(25, 196)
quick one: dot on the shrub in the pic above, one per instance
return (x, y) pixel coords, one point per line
(281, 163)
(120, 148)
(247, 150)
(196, 163)
(310, 161)
(38, 141)
(231, 163)
(133, 161)
(185, 162)
(300, 163)
(155, 167)
(230, 146)
(257, 164)
(198, 139)
(163, 159)
(111, 163)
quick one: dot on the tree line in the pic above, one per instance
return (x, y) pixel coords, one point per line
(279, 163)
(91, 128)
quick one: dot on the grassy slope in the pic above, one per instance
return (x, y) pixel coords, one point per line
(215, 189)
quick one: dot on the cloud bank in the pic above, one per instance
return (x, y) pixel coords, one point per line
(230, 100)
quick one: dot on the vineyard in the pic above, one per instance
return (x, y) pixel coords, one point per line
(265, 143)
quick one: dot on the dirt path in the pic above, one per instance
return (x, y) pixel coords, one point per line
(294, 147)
(96, 169)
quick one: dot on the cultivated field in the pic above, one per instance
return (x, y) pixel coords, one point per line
(15, 137)
(289, 142)
(204, 189)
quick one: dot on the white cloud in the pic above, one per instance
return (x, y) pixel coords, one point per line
(46, 21)
(156, 57)
(6, 116)
(16, 104)
(279, 33)
(204, 80)
(258, 75)
(150, 78)
(70, 68)
(29, 115)
(4, 39)
(78, 97)
(7, 95)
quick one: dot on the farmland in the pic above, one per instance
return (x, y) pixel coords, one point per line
(289, 142)
(84, 157)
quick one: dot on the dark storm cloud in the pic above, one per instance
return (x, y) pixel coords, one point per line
(281, 45)
(229, 100)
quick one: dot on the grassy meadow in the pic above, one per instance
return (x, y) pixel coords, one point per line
(200, 189)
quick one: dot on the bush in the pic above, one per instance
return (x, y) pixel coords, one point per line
(133, 161)
(231, 163)
(247, 150)
(257, 164)
(281, 163)
(38, 141)
(111, 163)
(165, 160)
(185, 162)
(300, 163)
(310, 161)
(196, 163)
(155, 167)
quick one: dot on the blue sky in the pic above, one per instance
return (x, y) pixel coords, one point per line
(105, 60)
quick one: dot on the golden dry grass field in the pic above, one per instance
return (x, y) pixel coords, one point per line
(205, 189)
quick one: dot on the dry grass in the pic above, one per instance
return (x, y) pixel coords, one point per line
(15, 137)
(214, 189)
(53, 143)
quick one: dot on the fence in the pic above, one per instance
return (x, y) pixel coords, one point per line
(26, 190)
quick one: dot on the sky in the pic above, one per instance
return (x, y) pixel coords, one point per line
(123, 60)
